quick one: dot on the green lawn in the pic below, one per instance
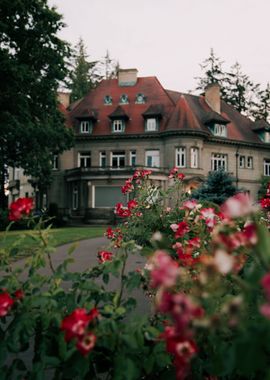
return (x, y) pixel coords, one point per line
(59, 236)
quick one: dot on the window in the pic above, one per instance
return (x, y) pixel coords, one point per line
(118, 126)
(180, 157)
(220, 130)
(249, 162)
(84, 159)
(242, 162)
(108, 100)
(123, 99)
(118, 160)
(267, 137)
(75, 198)
(194, 157)
(140, 99)
(266, 167)
(17, 172)
(85, 127)
(218, 162)
(132, 158)
(152, 158)
(151, 124)
(102, 159)
(55, 163)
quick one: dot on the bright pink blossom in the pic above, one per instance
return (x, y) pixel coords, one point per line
(173, 172)
(6, 303)
(110, 233)
(163, 270)
(265, 202)
(20, 208)
(239, 205)
(104, 256)
(190, 204)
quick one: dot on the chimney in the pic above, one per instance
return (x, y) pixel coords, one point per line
(64, 98)
(127, 77)
(212, 96)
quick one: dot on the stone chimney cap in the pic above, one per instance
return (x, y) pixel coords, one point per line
(127, 77)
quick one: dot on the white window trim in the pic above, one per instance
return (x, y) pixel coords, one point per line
(151, 124)
(55, 159)
(220, 130)
(250, 166)
(194, 157)
(222, 158)
(101, 155)
(118, 126)
(132, 154)
(151, 153)
(86, 155)
(180, 151)
(266, 167)
(85, 127)
(242, 162)
(118, 158)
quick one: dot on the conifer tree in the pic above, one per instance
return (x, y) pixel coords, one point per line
(218, 187)
(83, 75)
(108, 67)
(263, 109)
(212, 72)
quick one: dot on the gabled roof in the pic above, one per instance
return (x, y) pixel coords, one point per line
(118, 113)
(180, 112)
(86, 113)
(214, 117)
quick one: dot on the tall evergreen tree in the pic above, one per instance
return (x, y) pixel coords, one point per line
(241, 91)
(212, 72)
(32, 64)
(263, 109)
(108, 67)
(84, 73)
(218, 187)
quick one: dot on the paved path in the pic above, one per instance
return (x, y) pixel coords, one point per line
(85, 257)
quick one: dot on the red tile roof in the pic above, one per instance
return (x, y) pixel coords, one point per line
(178, 111)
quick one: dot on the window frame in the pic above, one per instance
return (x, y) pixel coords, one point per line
(85, 156)
(118, 155)
(149, 154)
(148, 122)
(266, 167)
(83, 124)
(132, 155)
(117, 123)
(242, 162)
(249, 166)
(220, 130)
(223, 158)
(194, 159)
(102, 156)
(181, 157)
(55, 162)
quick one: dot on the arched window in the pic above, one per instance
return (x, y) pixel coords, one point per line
(194, 157)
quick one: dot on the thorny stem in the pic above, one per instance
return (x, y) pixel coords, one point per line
(48, 254)
(122, 278)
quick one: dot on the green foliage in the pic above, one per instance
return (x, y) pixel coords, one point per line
(32, 66)
(218, 187)
(262, 190)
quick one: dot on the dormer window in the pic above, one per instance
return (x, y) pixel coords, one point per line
(140, 99)
(220, 130)
(118, 126)
(108, 100)
(151, 124)
(124, 99)
(85, 127)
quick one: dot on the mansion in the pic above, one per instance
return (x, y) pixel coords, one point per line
(133, 122)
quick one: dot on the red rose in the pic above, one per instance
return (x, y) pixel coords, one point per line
(6, 303)
(86, 343)
(76, 323)
(104, 256)
(21, 207)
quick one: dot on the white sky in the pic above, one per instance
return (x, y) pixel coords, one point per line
(169, 38)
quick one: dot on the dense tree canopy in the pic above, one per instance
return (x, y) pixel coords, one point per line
(86, 74)
(218, 187)
(32, 64)
(237, 88)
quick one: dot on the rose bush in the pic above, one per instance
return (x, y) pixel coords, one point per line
(206, 278)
